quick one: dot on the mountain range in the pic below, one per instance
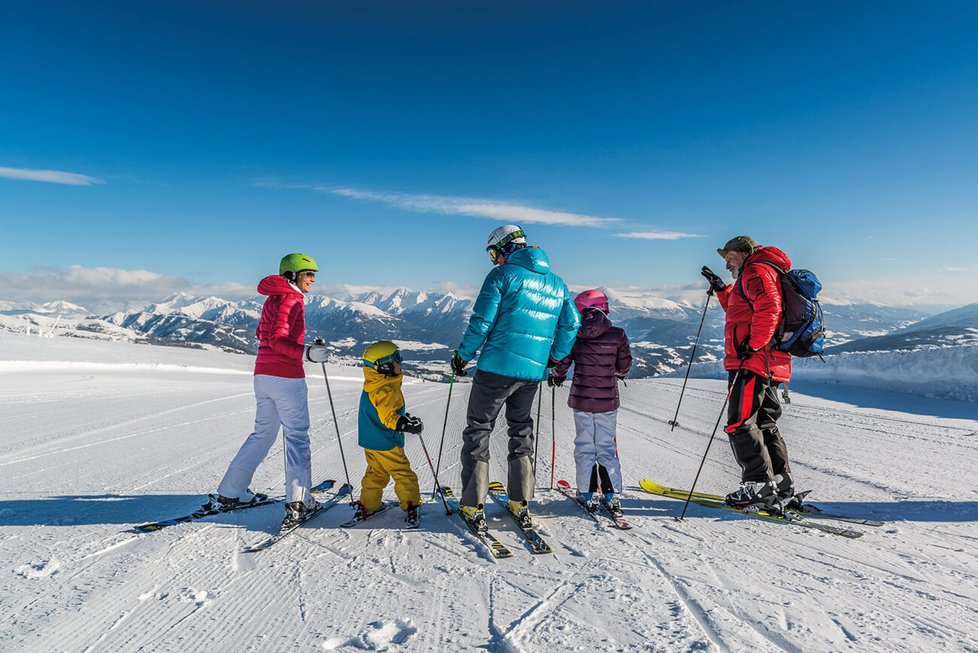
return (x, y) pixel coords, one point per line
(428, 325)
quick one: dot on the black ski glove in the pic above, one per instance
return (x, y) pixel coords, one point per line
(716, 283)
(458, 365)
(744, 350)
(409, 423)
(555, 381)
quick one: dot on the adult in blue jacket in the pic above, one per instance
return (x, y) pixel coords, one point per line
(523, 321)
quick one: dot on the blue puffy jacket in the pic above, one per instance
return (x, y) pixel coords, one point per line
(523, 316)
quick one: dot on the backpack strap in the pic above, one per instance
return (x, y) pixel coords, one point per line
(740, 280)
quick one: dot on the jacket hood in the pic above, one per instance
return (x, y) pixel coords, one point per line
(374, 380)
(594, 323)
(533, 259)
(276, 285)
(771, 255)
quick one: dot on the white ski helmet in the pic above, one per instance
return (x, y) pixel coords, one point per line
(504, 240)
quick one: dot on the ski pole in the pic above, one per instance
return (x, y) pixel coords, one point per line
(444, 426)
(536, 438)
(733, 384)
(448, 510)
(553, 435)
(339, 438)
(673, 423)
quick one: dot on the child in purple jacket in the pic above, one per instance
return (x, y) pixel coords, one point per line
(601, 355)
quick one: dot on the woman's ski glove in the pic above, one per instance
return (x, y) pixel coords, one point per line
(409, 423)
(556, 381)
(317, 353)
(716, 283)
(458, 365)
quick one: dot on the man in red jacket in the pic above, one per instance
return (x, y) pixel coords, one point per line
(753, 305)
(280, 393)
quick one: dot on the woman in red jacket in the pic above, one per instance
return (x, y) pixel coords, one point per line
(280, 393)
(753, 305)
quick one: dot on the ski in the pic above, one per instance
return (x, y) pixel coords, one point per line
(202, 512)
(496, 548)
(568, 492)
(331, 500)
(806, 509)
(533, 538)
(797, 520)
(358, 519)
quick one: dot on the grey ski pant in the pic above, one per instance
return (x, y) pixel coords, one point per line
(490, 392)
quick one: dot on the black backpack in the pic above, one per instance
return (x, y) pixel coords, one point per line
(800, 331)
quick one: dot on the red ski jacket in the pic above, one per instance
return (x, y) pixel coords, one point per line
(281, 330)
(757, 316)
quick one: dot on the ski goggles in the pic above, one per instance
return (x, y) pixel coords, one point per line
(495, 250)
(386, 360)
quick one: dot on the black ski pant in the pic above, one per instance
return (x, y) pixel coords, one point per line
(752, 426)
(490, 392)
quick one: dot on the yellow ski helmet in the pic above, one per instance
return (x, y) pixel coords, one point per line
(381, 356)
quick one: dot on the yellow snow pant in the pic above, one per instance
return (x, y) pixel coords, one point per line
(381, 466)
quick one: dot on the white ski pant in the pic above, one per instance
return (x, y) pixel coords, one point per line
(282, 402)
(595, 443)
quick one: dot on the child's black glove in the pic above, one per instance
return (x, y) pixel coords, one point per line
(556, 381)
(409, 423)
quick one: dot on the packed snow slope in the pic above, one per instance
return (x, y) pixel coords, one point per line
(99, 436)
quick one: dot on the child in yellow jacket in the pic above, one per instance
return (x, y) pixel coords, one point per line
(382, 424)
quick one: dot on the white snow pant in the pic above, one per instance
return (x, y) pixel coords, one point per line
(280, 401)
(595, 443)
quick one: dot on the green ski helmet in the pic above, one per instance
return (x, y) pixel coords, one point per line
(296, 263)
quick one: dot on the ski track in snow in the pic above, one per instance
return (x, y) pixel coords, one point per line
(91, 450)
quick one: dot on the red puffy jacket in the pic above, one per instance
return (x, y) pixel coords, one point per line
(757, 316)
(281, 330)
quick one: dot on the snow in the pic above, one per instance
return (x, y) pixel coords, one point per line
(99, 436)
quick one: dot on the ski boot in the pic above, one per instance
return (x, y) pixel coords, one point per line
(613, 502)
(588, 500)
(786, 493)
(220, 503)
(476, 516)
(521, 512)
(752, 496)
(297, 512)
(413, 517)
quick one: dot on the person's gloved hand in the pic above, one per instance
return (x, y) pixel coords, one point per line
(409, 423)
(716, 283)
(553, 362)
(555, 381)
(744, 350)
(458, 365)
(317, 353)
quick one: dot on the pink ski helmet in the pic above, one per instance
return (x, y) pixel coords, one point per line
(590, 298)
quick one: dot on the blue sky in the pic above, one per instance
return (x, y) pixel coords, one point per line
(154, 146)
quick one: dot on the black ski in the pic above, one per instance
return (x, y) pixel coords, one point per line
(331, 500)
(203, 512)
(358, 518)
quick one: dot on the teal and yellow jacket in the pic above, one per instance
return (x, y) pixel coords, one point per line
(381, 403)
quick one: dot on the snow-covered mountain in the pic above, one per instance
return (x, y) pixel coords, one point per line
(947, 329)
(428, 325)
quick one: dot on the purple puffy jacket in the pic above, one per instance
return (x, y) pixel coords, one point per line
(600, 354)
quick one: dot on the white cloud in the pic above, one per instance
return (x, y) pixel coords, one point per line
(933, 289)
(658, 235)
(95, 288)
(49, 176)
(504, 211)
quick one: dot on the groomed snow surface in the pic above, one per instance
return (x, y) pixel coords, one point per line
(99, 436)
